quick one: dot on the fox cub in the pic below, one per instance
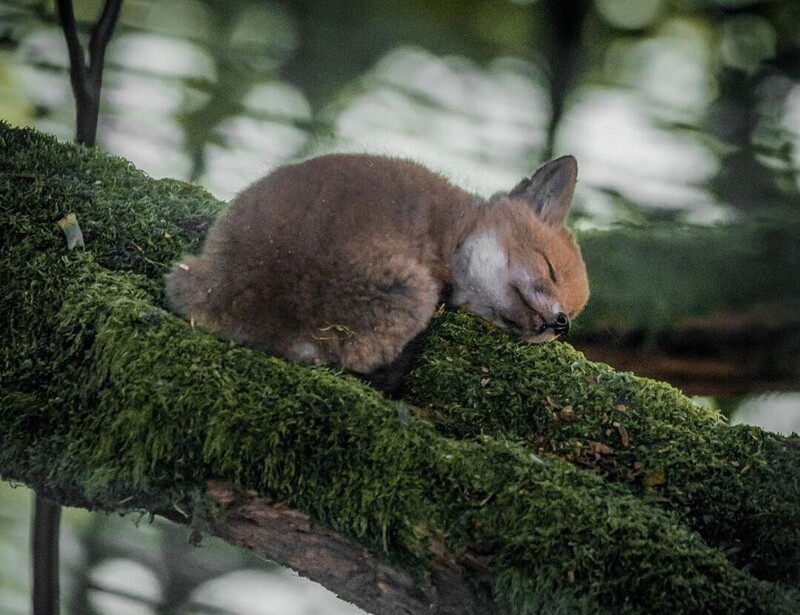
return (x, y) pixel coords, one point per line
(343, 260)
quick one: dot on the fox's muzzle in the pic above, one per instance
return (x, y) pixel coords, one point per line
(559, 324)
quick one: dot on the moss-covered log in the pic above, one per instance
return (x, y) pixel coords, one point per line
(736, 485)
(715, 310)
(109, 402)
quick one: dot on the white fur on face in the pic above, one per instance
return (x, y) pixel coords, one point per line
(483, 279)
(480, 270)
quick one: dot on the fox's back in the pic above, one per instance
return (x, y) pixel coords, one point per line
(336, 206)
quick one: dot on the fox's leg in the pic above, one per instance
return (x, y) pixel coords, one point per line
(389, 305)
(389, 378)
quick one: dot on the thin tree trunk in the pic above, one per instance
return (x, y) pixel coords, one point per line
(87, 79)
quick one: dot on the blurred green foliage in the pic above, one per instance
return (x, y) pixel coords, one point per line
(686, 108)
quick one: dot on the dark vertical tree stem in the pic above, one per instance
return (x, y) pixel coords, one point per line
(86, 77)
(565, 26)
(86, 74)
(44, 543)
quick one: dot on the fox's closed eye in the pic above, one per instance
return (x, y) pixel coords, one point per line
(550, 268)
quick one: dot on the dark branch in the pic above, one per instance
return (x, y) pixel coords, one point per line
(86, 77)
(290, 538)
(44, 539)
(77, 61)
(565, 29)
(101, 34)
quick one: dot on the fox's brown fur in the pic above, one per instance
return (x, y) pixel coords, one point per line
(343, 259)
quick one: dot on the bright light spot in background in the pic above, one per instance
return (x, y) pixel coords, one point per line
(790, 123)
(154, 54)
(480, 127)
(142, 94)
(257, 142)
(41, 65)
(251, 592)
(138, 122)
(625, 139)
(676, 85)
(252, 148)
(778, 412)
(143, 97)
(278, 99)
(154, 145)
(629, 14)
(36, 58)
(45, 46)
(621, 150)
(137, 584)
(674, 71)
(44, 88)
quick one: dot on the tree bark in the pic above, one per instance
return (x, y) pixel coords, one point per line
(45, 542)
(293, 539)
(86, 75)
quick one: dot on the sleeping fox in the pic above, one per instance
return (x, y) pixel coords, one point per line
(342, 260)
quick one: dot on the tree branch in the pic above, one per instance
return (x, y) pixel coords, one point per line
(527, 471)
(101, 35)
(722, 356)
(292, 539)
(45, 547)
(77, 61)
(87, 76)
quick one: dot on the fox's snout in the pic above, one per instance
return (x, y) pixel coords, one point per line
(559, 324)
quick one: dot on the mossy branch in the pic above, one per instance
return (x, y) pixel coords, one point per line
(713, 309)
(109, 402)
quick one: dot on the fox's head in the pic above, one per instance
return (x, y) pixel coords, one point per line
(520, 267)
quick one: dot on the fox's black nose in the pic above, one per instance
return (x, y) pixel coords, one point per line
(560, 323)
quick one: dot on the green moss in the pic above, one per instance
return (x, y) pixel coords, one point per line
(108, 401)
(129, 222)
(563, 538)
(737, 486)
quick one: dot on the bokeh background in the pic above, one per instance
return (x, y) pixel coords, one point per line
(684, 111)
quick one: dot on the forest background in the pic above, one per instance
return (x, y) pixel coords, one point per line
(679, 112)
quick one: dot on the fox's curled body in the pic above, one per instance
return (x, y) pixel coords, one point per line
(342, 260)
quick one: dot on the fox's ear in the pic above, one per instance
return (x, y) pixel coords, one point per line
(550, 189)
